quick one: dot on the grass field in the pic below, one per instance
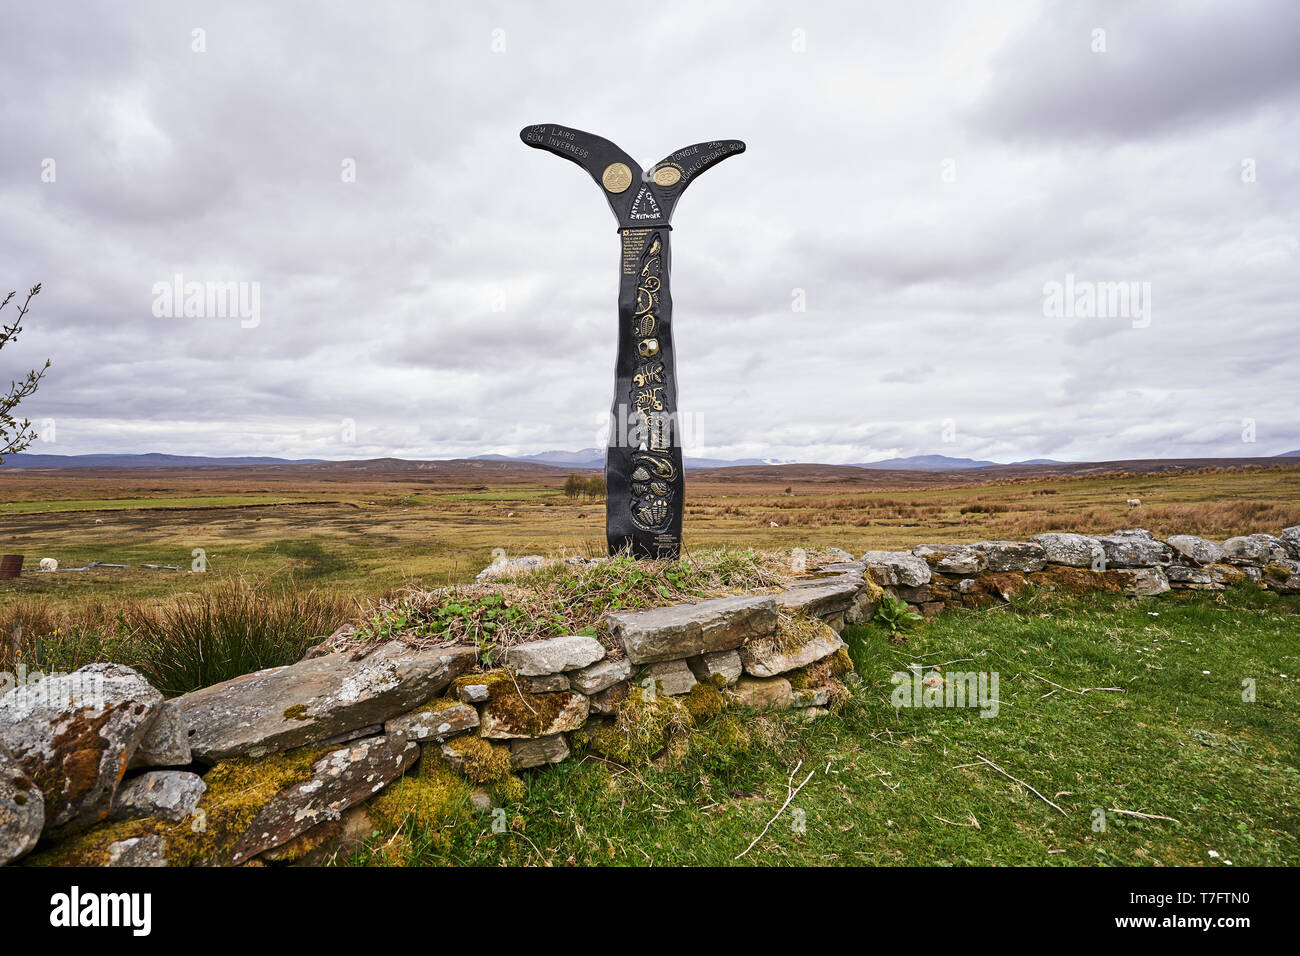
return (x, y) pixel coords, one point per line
(368, 533)
(1216, 775)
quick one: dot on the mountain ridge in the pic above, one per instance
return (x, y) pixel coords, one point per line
(584, 459)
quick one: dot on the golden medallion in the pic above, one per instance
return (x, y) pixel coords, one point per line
(667, 176)
(617, 177)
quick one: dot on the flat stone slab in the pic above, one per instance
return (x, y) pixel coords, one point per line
(724, 664)
(305, 703)
(893, 568)
(822, 597)
(594, 679)
(1195, 578)
(508, 714)
(547, 684)
(538, 751)
(437, 723)
(766, 657)
(1012, 555)
(672, 678)
(773, 693)
(553, 655)
(339, 779)
(1254, 549)
(687, 630)
(1135, 548)
(74, 735)
(1142, 582)
(952, 558)
(162, 794)
(1071, 550)
(1201, 551)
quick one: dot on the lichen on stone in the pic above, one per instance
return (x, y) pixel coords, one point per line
(236, 791)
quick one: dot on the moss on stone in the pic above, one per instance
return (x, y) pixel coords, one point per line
(533, 715)
(297, 712)
(430, 800)
(841, 664)
(642, 727)
(509, 790)
(1277, 572)
(479, 760)
(704, 702)
(438, 704)
(237, 790)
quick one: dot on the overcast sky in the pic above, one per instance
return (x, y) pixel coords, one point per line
(917, 175)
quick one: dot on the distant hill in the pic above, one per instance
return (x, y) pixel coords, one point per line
(595, 458)
(925, 463)
(148, 460)
(944, 463)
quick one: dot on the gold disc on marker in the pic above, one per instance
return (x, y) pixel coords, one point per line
(617, 177)
(667, 175)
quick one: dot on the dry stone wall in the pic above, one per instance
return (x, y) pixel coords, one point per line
(283, 764)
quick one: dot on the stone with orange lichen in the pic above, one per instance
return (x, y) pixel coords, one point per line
(74, 734)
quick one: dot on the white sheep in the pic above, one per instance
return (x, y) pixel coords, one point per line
(49, 564)
(1134, 502)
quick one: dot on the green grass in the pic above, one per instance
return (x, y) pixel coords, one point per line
(908, 787)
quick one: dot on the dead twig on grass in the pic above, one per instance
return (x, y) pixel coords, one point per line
(1022, 783)
(794, 792)
(973, 822)
(1118, 690)
(1144, 816)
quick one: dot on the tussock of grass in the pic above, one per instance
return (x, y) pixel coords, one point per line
(179, 645)
(209, 638)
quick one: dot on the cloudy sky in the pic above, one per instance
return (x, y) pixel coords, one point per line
(918, 178)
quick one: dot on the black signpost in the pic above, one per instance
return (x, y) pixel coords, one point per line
(643, 464)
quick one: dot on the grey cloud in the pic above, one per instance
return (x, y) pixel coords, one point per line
(924, 298)
(1166, 66)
